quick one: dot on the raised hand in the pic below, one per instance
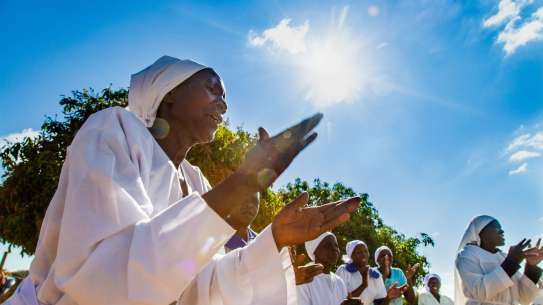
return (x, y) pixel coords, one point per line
(516, 252)
(303, 273)
(295, 224)
(411, 271)
(394, 292)
(272, 155)
(534, 255)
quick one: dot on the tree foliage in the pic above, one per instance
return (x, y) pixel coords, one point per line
(32, 168)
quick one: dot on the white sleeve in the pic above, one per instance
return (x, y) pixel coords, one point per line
(110, 251)
(303, 294)
(479, 286)
(381, 292)
(528, 290)
(255, 274)
(345, 276)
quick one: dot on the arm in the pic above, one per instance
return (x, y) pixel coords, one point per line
(358, 291)
(527, 285)
(255, 274)
(110, 250)
(481, 286)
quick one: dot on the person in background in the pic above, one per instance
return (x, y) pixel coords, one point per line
(326, 288)
(486, 275)
(395, 278)
(432, 285)
(361, 280)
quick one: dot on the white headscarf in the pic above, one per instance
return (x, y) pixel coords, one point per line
(378, 252)
(427, 279)
(149, 86)
(471, 237)
(349, 248)
(311, 246)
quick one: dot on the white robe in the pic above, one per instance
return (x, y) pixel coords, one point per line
(118, 231)
(375, 290)
(254, 274)
(427, 298)
(484, 282)
(325, 289)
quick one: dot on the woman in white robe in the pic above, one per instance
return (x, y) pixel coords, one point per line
(432, 285)
(361, 280)
(132, 222)
(487, 276)
(326, 288)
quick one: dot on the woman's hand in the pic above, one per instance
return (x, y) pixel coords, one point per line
(295, 224)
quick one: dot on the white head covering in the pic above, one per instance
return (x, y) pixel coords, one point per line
(471, 237)
(311, 246)
(378, 252)
(427, 279)
(149, 86)
(349, 248)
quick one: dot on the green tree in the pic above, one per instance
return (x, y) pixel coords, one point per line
(32, 169)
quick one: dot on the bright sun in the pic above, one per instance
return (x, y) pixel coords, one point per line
(331, 69)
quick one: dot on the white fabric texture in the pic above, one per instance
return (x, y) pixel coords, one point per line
(116, 230)
(349, 248)
(427, 298)
(376, 286)
(255, 274)
(149, 86)
(311, 245)
(482, 280)
(325, 289)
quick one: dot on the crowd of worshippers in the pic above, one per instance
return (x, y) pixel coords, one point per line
(132, 222)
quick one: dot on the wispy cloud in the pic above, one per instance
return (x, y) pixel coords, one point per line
(523, 155)
(528, 144)
(18, 136)
(517, 30)
(283, 37)
(519, 170)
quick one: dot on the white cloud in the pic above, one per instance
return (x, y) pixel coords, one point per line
(507, 10)
(518, 30)
(17, 137)
(523, 155)
(521, 169)
(282, 37)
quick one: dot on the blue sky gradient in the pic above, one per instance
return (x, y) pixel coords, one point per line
(432, 100)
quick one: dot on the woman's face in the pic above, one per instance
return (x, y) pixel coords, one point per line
(434, 284)
(492, 234)
(246, 214)
(327, 252)
(195, 108)
(360, 255)
(385, 259)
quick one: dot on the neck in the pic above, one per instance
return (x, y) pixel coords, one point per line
(243, 233)
(327, 268)
(435, 294)
(489, 248)
(385, 271)
(176, 148)
(361, 268)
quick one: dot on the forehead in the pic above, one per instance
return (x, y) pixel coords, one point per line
(384, 252)
(361, 247)
(328, 240)
(433, 280)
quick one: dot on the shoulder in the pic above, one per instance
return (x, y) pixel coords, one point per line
(448, 300)
(375, 274)
(397, 271)
(341, 268)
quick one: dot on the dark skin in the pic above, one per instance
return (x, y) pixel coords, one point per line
(360, 257)
(385, 267)
(435, 285)
(191, 113)
(492, 237)
(327, 254)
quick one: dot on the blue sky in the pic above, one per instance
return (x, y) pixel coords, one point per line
(433, 107)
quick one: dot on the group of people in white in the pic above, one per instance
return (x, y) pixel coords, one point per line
(134, 223)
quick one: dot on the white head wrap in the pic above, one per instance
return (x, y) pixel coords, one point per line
(349, 248)
(311, 246)
(427, 279)
(471, 237)
(378, 252)
(149, 86)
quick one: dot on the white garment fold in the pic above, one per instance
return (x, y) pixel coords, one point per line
(118, 231)
(325, 289)
(255, 274)
(483, 280)
(426, 298)
(376, 286)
